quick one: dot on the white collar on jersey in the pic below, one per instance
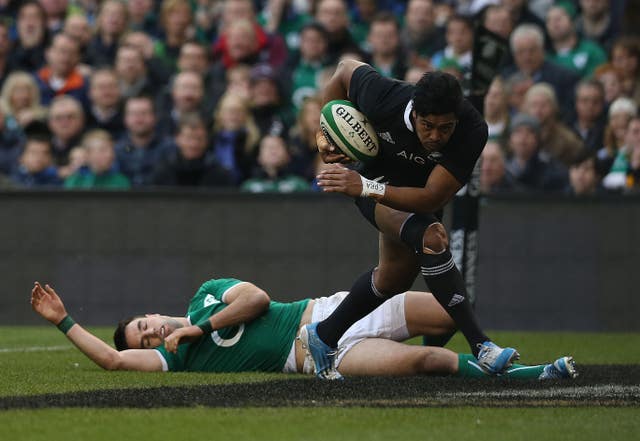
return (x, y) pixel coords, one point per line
(407, 115)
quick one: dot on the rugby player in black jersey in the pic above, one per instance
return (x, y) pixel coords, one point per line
(430, 139)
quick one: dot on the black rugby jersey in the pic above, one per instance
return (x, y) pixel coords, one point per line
(401, 160)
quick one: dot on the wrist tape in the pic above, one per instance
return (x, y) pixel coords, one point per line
(372, 188)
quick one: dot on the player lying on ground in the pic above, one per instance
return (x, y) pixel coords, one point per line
(233, 326)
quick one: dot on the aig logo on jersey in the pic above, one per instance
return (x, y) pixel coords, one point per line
(411, 157)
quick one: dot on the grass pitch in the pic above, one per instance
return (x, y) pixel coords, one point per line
(49, 390)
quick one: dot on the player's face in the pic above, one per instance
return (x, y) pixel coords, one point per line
(434, 131)
(150, 331)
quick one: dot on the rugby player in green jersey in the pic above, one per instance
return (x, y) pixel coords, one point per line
(234, 326)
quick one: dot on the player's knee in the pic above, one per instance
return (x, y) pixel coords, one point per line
(435, 239)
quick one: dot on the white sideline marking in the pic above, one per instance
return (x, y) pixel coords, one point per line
(35, 349)
(595, 391)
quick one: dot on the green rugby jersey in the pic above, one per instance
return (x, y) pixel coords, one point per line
(260, 345)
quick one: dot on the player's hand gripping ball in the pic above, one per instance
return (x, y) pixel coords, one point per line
(347, 129)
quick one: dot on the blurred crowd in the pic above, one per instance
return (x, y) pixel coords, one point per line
(224, 93)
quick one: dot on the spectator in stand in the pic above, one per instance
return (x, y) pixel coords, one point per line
(36, 167)
(303, 147)
(494, 178)
(520, 13)
(569, 49)
(194, 57)
(596, 23)
(61, 76)
(157, 70)
(187, 96)
(77, 160)
(265, 47)
(5, 52)
(106, 110)
(496, 109)
(532, 170)
(616, 179)
(176, 19)
(611, 80)
(235, 136)
(269, 107)
(131, 71)
(141, 146)
(387, 54)
(590, 114)
(362, 13)
(583, 176)
(28, 53)
(498, 19)
(239, 81)
(101, 170)
(621, 111)
(516, 86)
(527, 46)
(272, 173)
(11, 141)
(625, 58)
(142, 16)
(239, 45)
(56, 11)
(77, 26)
(420, 34)
(111, 24)
(633, 173)
(66, 123)
(459, 47)
(205, 19)
(334, 16)
(189, 164)
(313, 57)
(286, 18)
(20, 99)
(556, 139)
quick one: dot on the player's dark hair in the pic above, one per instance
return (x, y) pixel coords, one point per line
(119, 339)
(437, 93)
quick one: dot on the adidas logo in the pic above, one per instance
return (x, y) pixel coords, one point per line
(457, 298)
(387, 137)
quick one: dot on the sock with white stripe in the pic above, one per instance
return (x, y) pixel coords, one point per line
(468, 368)
(362, 299)
(448, 287)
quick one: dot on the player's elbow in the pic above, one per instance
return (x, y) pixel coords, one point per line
(112, 362)
(261, 300)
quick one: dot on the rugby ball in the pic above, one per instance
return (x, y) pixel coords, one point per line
(346, 128)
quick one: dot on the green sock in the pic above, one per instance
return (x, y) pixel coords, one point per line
(468, 368)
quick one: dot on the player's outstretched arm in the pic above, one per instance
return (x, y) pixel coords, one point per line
(46, 302)
(245, 301)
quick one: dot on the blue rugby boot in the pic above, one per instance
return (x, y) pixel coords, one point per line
(563, 367)
(322, 355)
(494, 359)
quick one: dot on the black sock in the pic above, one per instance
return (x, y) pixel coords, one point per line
(362, 299)
(447, 285)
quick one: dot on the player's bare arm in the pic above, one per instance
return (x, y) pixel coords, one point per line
(46, 302)
(246, 303)
(440, 188)
(337, 88)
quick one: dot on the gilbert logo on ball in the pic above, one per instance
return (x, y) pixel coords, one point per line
(348, 129)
